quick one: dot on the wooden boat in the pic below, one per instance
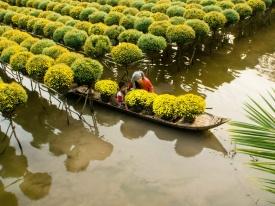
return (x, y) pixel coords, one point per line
(202, 122)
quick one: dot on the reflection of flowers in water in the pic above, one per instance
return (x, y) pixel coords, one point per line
(36, 185)
(7, 198)
(266, 66)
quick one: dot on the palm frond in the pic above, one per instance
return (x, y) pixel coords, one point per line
(257, 138)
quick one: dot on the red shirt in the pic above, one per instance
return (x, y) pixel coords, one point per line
(147, 85)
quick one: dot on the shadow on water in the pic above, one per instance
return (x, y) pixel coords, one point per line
(187, 144)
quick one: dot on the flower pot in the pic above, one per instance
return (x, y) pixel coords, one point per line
(105, 98)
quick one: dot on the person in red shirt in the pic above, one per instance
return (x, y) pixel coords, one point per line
(146, 84)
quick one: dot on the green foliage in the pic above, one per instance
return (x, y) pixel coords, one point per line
(127, 21)
(159, 28)
(106, 8)
(6, 44)
(114, 31)
(180, 34)
(208, 2)
(112, 2)
(83, 25)
(66, 10)
(98, 29)
(50, 28)
(27, 43)
(68, 58)
(160, 8)
(147, 7)
(53, 16)
(189, 106)
(144, 14)
(137, 4)
(97, 45)
(8, 17)
(39, 26)
(3, 29)
(256, 138)
(163, 106)
(11, 96)
(150, 43)
(71, 22)
(18, 36)
(59, 33)
(23, 22)
(59, 77)
(87, 71)
(75, 11)
(75, 38)
(215, 20)
(64, 19)
(130, 36)
(257, 5)
(126, 53)
(37, 48)
(232, 16)
(130, 11)
(159, 16)
(51, 5)
(212, 8)
(57, 8)
(106, 87)
(176, 20)
(84, 15)
(38, 65)
(97, 16)
(175, 11)
(112, 18)
(225, 4)
(9, 51)
(194, 13)
(19, 60)
(243, 9)
(193, 6)
(119, 8)
(54, 51)
(142, 24)
(30, 24)
(200, 27)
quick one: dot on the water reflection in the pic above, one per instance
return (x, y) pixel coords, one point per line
(33, 185)
(36, 185)
(47, 124)
(7, 198)
(189, 144)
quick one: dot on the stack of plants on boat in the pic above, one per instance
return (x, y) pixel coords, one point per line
(95, 27)
(168, 107)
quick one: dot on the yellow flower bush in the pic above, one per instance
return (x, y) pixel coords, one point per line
(163, 106)
(126, 53)
(27, 43)
(189, 105)
(59, 77)
(11, 95)
(106, 87)
(136, 98)
(68, 58)
(19, 60)
(9, 51)
(5, 44)
(38, 65)
(54, 51)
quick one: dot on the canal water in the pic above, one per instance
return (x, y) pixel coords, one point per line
(120, 160)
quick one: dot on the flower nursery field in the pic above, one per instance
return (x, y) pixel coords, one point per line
(219, 51)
